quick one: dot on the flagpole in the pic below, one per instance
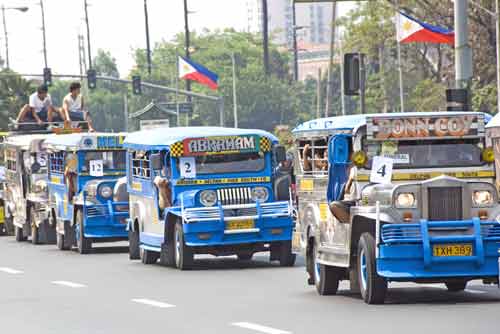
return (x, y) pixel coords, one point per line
(177, 88)
(400, 67)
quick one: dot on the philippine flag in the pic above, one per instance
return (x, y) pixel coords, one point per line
(189, 70)
(411, 30)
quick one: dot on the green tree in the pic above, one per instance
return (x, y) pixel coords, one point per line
(14, 93)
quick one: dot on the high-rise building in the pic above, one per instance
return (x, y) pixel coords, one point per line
(313, 20)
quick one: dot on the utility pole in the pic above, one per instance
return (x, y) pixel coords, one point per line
(187, 41)
(265, 36)
(329, 90)
(318, 95)
(6, 38)
(235, 97)
(43, 33)
(463, 52)
(88, 33)
(295, 48)
(148, 47)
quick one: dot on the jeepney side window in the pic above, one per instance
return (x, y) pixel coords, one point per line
(313, 155)
(11, 161)
(56, 162)
(141, 166)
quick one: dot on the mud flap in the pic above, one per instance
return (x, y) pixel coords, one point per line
(46, 233)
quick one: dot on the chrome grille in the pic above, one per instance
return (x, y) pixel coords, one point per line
(445, 203)
(229, 196)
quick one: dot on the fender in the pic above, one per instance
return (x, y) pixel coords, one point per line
(311, 221)
(384, 217)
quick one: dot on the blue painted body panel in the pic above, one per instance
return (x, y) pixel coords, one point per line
(406, 252)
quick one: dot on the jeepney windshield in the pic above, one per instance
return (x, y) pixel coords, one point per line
(111, 160)
(230, 163)
(428, 153)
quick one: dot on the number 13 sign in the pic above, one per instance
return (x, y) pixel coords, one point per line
(381, 170)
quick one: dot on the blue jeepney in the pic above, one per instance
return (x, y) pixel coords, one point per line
(207, 190)
(397, 197)
(86, 201)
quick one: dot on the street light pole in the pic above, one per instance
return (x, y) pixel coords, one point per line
(265, 36)
(43, 32)
(88, 33)
(148, 47)
(6, 38)
(295, 48)
(187, 41)
(463, 52)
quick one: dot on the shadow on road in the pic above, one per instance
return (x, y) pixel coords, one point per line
(419, 295)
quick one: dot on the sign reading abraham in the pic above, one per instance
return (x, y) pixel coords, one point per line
(221, 145)
(415, 127)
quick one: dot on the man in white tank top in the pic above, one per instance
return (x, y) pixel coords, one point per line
(74, 108)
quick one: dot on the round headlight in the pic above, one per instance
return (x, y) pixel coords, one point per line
(482, 197)
(405, 200)
(105, 191)
(260, 194)
(208, 197)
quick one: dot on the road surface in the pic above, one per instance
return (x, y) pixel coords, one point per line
(44, 290)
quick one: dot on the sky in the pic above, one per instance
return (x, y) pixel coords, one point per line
(115, 25)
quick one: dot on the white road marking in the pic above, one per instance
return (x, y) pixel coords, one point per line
(10, 270)
(259, 328)
(69, 284)
(151, 302)
(475, 291)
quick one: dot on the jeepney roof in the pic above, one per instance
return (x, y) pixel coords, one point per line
(80, 141)
(161, 138)
(351, 123)
(24, 142)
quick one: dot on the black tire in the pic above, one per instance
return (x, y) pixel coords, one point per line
(456, 286)
(134, 251)
(60, 242)
(18, 231)
(183, 254)
(326, 278)
(34, 229)
(245, 256)
(310, 261)
(287, 257)
(373, 288)
(167, 256)
(83, 244)
(149, 257)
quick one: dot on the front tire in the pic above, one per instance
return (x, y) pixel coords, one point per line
(326, 278)
(183, 254)
(287, 257)
(83, 244)
(19, 234)
(456, 286)
(134, 251)
(373, 287)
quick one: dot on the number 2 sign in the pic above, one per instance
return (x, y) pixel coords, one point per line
(188, 167)
(381, 170)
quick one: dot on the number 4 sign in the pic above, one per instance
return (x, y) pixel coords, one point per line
(381, 170)
(188, 167)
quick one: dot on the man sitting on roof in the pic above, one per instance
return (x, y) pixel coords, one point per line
(74, 108)
(40, 108)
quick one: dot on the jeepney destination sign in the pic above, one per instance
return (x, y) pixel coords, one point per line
(221, 145)
(415, 127)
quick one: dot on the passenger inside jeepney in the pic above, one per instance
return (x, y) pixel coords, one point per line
(70, 175)
(164, 186)
(320, 161)
(341, 209)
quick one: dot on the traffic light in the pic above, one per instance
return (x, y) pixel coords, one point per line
(92, 78)
(136, 85)
(352, 66)
(47, 76)
(457, 100)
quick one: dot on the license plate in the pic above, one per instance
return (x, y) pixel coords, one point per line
(240, 224)
(452, 250)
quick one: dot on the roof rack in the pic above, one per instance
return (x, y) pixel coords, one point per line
(46, 127)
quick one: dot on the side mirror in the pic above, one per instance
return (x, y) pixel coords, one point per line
(338, 150)
(280, 153)
(156, 162)
(35, 167)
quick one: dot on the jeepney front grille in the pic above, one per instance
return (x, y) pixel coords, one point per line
(445, 203)
(230, 196)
